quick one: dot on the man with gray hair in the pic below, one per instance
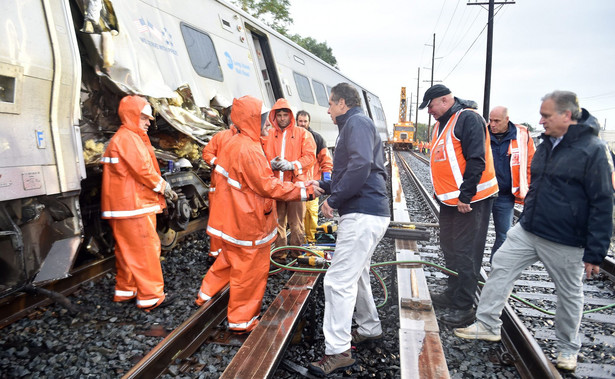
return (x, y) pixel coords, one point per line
(566, 224)
(358, 192)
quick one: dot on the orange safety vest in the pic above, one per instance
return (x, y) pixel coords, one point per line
(521, 152)
(448, 165)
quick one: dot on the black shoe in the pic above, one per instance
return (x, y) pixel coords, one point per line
(441, 300)
(168, 300)
(459, 318)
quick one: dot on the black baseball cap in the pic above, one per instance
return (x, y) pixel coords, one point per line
(434, 92)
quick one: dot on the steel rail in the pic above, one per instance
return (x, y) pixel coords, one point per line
(15, 307)
(184, 340)
(262, 351)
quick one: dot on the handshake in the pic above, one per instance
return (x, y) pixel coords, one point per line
(314, 184)
(279, 164)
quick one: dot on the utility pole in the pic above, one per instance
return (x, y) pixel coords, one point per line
(416, 117)
(433, 57)
(410, 108)
(487, 93)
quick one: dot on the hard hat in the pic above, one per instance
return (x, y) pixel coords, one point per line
(183, 163)
(147, 110)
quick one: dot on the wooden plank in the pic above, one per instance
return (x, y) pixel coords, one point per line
(262, 351)
(420, 349)
(422, 356)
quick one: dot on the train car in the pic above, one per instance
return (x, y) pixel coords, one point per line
(61, 78)
(403, 136)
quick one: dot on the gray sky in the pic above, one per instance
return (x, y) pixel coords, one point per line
(539, 46)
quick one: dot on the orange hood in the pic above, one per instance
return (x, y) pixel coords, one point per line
(281, 104)
(246, 115)
(129, 111)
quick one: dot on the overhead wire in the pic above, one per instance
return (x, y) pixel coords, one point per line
(473, 42)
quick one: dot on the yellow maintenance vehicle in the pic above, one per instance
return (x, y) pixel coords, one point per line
(403, 130)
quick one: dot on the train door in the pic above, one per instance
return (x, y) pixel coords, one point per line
(368, 107)
(261, 51)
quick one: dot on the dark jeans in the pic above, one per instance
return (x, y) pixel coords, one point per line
(503, 210)
(462, 239)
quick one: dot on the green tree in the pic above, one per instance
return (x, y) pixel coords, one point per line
(275, 13)
(272, 12)
(421, 133)
(320, 49)
(529, 127)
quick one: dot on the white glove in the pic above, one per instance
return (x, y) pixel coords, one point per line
(169, 194)
(281, 164)
(274, 163)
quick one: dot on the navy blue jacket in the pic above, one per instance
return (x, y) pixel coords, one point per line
(501, 160)
(570, 200)
(358, 181)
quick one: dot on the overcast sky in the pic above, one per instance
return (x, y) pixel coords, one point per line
(538, 46)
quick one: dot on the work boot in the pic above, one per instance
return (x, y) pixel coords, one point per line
(477, 331)
(441, 300)
(358, 338)
(566, 361)
(458, 318)
(331, 363)
(280, 256)
(168, 300)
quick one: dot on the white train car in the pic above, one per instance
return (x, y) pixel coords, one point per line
(61, 80)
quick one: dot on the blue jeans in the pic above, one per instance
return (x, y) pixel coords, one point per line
(503, 209)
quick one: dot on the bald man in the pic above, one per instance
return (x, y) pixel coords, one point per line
(512, 150)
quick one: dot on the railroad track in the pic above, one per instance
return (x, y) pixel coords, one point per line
(18, 305)
(261, 350)
(528, 335)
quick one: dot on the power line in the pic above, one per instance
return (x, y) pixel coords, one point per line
(449, 24)
(600, 110)
(473, 42)
(467, 51)
(462, 38)
(608, 94)
(440, 15)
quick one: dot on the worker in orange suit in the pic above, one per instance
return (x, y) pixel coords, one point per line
(244, 217)
(210, 155)
(133, 192)
(320, 171)
(292, 153)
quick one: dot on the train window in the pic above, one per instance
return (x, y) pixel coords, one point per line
(303, 86)
(7, 89)
(328, 92)
(321, 93)
(202, 53)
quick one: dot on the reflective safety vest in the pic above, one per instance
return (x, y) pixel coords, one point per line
(448, 165)
(521, 151)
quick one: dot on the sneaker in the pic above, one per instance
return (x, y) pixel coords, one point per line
(477, 331)
(566, 361)
(332, 363)
(358, 338)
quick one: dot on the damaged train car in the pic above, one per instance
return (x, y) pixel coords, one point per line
(64, 66)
